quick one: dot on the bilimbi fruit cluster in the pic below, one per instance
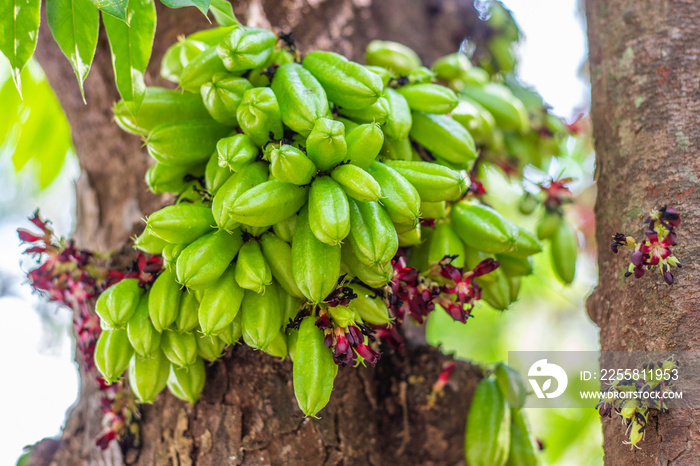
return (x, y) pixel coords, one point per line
(319, 203)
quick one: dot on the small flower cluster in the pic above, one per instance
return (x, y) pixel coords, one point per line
(75, 278)
(619, 398)
(655, 250)
(556, 194)
(120, 416)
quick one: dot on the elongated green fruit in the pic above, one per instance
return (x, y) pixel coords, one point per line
(451, 67)
(290, 165)
(410, 237)
(259, 116)
(184, 143)
(313, 371)
(215, 175)
(399, 121)
(329, 212)
(278, 347)
(187, 319)
(181, 223)
(378, 112)
(248, 177)
(222, 96)
(369, 306)
(177, 56)
(268, 203)
(444, 137)
(526, 244)
(143, 336)
(186, 383)
(401, 200)
(347, 83)
(291, 306)
(119, 302)
(179, 348)
(487, 437)
(164, 300)
(326, 146)
(236, 151)
(429, 98)
(160, 106)
(112, 354)
(212, 36)
(301, 98)
(482, 228)
(210, 348)
(382, 72)
(548, 224)
(433, 182)
(512, 385)
(162, 178)
(435, 210)
(472, 258)
(514, 266)
(285, 229)
(245, 48)
(563, 252)
(148, 376)
(170, 254)
(205, 260)
(397, 149)
(375, 276)
(315, 264)
(220, 303)
(523, 449)
(233, 332)
(252, 271)
(357, 183)
(372, 235)
(261, 317)
(364, 144)
(278, 255)
(475, 119)
(200, 70)
(446, 242)
(507, 110)
(497, 293)
(391, 55)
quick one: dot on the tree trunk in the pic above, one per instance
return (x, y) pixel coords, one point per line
(645, 105)
(247, 414)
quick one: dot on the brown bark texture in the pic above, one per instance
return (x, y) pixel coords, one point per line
(247, 414)
(645, 78)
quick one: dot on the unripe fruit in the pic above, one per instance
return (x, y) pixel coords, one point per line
(268, 203)
(326, 146)
(410, 237)
(512, 385)
(162, 178)
(236, 151)
(397, 149)
(563, 251)
(278, 348)
(301, 98)
(444, 137)
(507, 110)
(401, 199)
(369, 306)
(476, 119)
(290, 165)
(329, 212)
(185, 143)
(364, 144)
(245, 48)
(181, 223)
(392, 55)
(357, 183)
(375, 276)
(445, 242)
(514, 266)
(261, 317)
(523, 449)
(259, 115)
(186, 383)
(164, 300)
(497, 294)
(179, 348)
(143, 336)
(170, 254)
(278, 255)
(215, 175)
(433, 182)
(429, 98)
(451, 67)
(201, 69)
(222, 96)
(187, 316)
(112, 354)
(248, 177)
(436, 210)
(118, 302)
(232, 332)
(177, 56)
(148, 376)
(285, 229)
(482, 228)
(378, 112)
(203, 261)
(372, 235)
(399, 122)
(252, 271)
(210, 348)
(313, 370)
(220, 303)
(548, 224)
(488, 426)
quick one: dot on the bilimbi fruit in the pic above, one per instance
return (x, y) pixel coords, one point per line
(297, 182)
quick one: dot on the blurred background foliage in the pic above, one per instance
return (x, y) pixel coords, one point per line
(38, 169)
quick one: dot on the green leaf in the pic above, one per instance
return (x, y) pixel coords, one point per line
(131, 49)
(75, 25)
(201, 5)
(19, 28)
(115, 8)
(223, 12)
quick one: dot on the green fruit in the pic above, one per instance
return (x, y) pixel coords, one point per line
(301, 98)
(498, 293)
(117, 304)
(170, 254)
(205, 260)
(472, 258)
(181, 223)
(149, 243)
(410, 237)
(436, 210)
(261, 317)
(487, 437)
(143, 336)
(215, 175)
(397, 149)
(372, 235)
(178, 56)
(527, 204)
(278, 347)
(252, 271)
(512, 385)
(499, 101)
(285, 229)
(112, 354)
(210, 348)
(482, 228)
(329, 212)
(364, 144)
(268, 203)
(563, 252)
(375, 276)
(369, 306)
(187, 317)
(148, 376)
(236, 151)
(347, 83)
(200, 70)
(401, 200)
(315, 264)
(523, 449)
(446, 242)
(164, 300)
(290, 165)
(422, 75)
(245, 48)
(393, 56)
(248, 177)
(220, 303)
(278, 255)
(179, 348)
(429, 98)
(357, 183)
(162, 178)
(326, 146)
(444, 137)
(222, 96)
(475, 119)
(259, 115)
(382, 72)
(233, 332)
(548, 224)
(433, 182)
(186, 383)
(451, 67)
(378, 112)
(342, 316)
(313, 370)
(399, 122)
(514, 266)
(184, 143)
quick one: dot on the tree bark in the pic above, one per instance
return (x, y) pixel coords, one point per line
(247, 414)
(645, 103)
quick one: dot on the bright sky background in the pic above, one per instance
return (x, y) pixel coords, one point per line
(40, 381)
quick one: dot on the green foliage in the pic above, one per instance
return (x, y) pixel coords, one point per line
(19, 28)
(223, 12)
(201, 5)
(115, 8)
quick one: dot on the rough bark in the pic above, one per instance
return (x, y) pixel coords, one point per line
(645, 106)
(248, 414)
